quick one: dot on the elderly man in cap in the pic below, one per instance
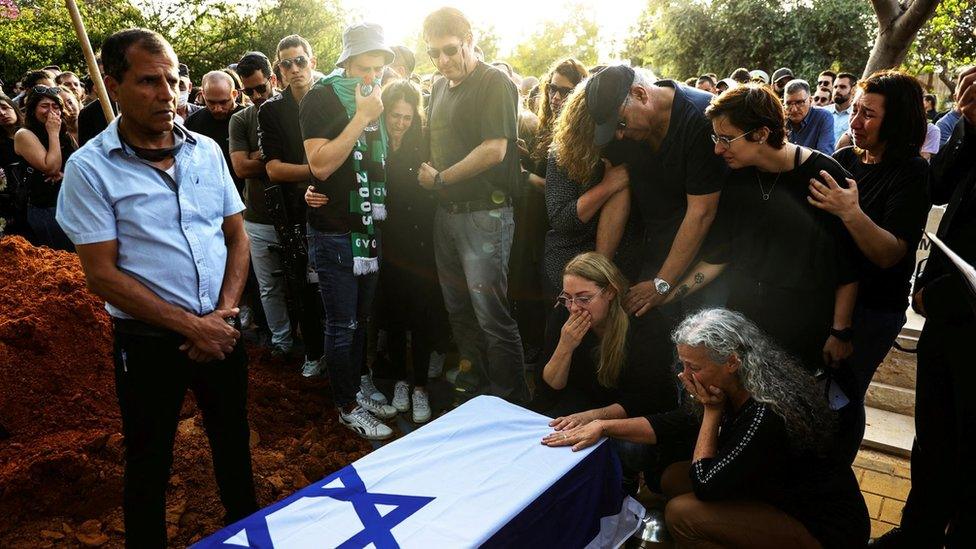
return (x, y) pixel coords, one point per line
(346, 150)
(684, 178)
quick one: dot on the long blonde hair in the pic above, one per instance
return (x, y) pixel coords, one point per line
(613, 345)
(576, 153)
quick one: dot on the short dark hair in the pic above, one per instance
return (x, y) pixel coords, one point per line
(252, 62)
(405, 57)
(59, 79)
(829, 73)
(17, 112)
(447, 22)
(850, 77)
(294, 41)
(115, 49)
(706, 78)
(741, 75)
(691, 81)
(904, 125)
(931, 98)
(751, 107)
(33, 77)
(797, 85)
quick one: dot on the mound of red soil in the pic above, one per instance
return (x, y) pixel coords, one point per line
(61, 467)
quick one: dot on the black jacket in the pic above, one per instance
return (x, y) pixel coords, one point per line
(953, 182)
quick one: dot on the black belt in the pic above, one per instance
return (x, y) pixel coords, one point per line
(473, 206)
(131, 326)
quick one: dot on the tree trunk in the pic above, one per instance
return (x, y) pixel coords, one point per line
(897, 26)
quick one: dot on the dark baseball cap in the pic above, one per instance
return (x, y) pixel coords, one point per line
(184, 70)
(781, 74)
(605, 92)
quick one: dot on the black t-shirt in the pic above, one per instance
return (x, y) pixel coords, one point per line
(91, 122)
(41, 192)
(756, 460)
(204, 123)
(280, 137)
(895, 196)
(323, 116)
(685, 164)
(483, 106)
(647, 382)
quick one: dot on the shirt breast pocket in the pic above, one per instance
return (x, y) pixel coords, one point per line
(208, 196)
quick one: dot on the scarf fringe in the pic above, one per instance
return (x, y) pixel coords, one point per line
(379, 211)
(365, 265)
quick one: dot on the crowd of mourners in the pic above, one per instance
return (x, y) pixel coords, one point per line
(708, 272)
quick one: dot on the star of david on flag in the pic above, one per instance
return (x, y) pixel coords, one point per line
(379, 513)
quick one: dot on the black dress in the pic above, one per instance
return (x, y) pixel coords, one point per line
(647, 382)
(757, 461)
(786, 257)
(408, 293)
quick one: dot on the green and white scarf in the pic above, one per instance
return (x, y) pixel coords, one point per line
(369, 200)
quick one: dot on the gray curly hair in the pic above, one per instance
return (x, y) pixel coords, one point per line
(770, 375)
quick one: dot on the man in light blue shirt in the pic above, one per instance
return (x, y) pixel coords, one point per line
(809, 126)
(156, 221)
(843, 98)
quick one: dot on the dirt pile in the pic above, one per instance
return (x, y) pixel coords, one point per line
(61, 467)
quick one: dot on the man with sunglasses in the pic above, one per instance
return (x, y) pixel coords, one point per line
(676, 179)
(259, 84)
(283, 154)
(822, 98)
(220, 98)
(474, 168)
(825, 80)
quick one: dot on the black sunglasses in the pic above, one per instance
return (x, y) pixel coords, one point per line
(450, 51)
(301, 61)
(824, 83)
(563, 91)
(48, 91)
(260, 88)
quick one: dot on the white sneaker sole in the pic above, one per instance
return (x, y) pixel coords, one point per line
(362, 432)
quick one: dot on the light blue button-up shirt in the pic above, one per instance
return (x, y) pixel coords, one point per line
(168, 229)
(842, 120)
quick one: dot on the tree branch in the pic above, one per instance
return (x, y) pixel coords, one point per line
(887, 11)
(918, 12)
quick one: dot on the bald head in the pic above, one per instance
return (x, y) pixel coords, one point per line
(219, 94)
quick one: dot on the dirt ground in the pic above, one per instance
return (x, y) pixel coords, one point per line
(61, 465)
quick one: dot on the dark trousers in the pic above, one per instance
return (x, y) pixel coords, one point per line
(346, 301)
(151, 379)
(874, 333)
(943, 479)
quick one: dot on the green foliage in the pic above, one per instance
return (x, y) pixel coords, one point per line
(206, 34)
(683, 38)
(946, 42)
(576, 36)
(42, 34)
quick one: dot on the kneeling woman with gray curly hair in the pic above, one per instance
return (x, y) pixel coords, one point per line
(762, 474)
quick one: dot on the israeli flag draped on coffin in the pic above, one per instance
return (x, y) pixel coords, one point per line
(478, 476)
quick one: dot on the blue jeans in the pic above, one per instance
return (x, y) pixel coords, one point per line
(472, 251)
(271, 287)
(346, 300)
(46, 229)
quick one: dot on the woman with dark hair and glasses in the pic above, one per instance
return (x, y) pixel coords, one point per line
(884, 208)
(45, 145)
(791, 266)
(554, 90)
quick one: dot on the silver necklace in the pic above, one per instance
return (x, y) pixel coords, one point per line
(765, 194)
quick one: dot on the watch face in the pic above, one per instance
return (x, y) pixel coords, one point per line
(662, 287)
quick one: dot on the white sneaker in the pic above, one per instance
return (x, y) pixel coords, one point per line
(381, 410)
(364, 424)
(421, 407)
(435, 366)
(401, 396)
(367, 387)
(313, 368)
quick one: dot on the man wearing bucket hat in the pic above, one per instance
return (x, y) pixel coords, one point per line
(345, 142)
(684, 178)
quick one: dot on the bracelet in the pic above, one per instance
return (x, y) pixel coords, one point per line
(845, 335)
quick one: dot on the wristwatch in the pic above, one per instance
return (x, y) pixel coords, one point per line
(438, 181)
(662, 286)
